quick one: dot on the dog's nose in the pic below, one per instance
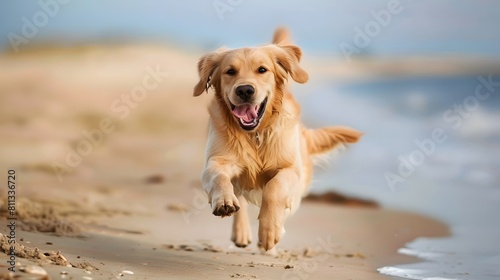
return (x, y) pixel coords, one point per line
(245, 92)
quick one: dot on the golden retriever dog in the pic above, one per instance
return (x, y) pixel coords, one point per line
(258, 150)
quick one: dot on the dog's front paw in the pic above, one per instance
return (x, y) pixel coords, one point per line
(225, 205)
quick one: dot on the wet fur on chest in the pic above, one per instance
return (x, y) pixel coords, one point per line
(260, 162)
(258, 168)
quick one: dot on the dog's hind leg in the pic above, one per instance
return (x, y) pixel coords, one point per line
(242, 232)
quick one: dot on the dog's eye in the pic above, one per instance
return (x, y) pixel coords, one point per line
(231, 72)
(262, 70)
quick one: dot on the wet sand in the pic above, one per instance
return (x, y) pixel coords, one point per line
(108, 145)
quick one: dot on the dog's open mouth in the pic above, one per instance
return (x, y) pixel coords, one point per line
(249, 115)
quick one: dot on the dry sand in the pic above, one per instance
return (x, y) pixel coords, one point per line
(133, 204)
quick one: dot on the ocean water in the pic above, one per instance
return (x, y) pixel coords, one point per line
(454, 177)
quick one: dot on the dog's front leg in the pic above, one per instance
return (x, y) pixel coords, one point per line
(277, 199)
(216, 180)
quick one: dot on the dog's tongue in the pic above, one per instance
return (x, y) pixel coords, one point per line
(246, 112)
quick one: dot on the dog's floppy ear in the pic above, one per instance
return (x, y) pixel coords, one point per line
(206, 67)
(288, 57)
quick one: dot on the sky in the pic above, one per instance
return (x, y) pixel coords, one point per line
(391, 27)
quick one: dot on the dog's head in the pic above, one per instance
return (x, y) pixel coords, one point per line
(249, 80)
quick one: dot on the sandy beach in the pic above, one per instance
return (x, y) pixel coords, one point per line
(108, 145)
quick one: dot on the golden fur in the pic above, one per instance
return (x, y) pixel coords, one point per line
(264, 157)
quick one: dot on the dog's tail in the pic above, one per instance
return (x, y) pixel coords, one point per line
(322, 140)
(282, 36)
